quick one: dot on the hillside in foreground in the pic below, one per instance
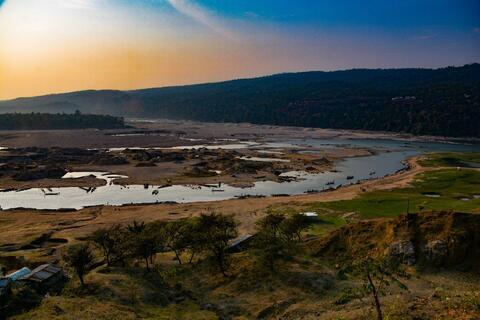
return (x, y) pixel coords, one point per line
(181, 262)
(314, 283)
(419, 101)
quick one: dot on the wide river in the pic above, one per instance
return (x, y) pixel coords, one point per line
(390, 157)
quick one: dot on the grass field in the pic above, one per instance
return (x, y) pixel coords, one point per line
(450, 159)
(445, 189)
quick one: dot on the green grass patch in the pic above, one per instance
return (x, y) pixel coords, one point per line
(326, 224)
(451, 159)
(181, 311)
(455, 190)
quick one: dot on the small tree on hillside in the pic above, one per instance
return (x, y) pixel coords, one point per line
(177, 237)
(273, 240)
(294, 225)
(113, 242)
(148, 241)
(216, 232)
(136, 227)
(376, 276)
(80, 258)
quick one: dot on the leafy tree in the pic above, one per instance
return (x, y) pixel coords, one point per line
(113, 242)
(182, 236)
(136, 227)
(273, 240)
(217, 231)
(80, 258)
(177, 238)
(147, 240)
(294, 225)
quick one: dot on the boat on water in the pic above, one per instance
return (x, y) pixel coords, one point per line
(329, 183)
(350, 177)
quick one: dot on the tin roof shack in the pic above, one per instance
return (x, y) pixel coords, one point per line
(45, 277)
(240, 243)
(5, 288)
(14, 276)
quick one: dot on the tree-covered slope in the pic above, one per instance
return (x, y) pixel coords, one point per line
(42, 121)
(446, 101)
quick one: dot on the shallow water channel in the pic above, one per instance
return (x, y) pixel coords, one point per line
(389, 158)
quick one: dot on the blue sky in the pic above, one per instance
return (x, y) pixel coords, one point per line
(63, 45)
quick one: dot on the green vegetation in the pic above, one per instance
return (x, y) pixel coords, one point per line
(447, 101)
(208, 235)
(327, 222)
(451, 159)
(47, 121)
(276, 238)
(173, 269)
(447, 189)
(80, 258)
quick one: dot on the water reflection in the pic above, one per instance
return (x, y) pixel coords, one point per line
(388, 160)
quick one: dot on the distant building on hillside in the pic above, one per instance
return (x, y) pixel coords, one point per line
(44, 276)
(14, 276)
(404, 99)
(240, 243)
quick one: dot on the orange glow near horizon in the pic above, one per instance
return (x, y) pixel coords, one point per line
(53, 46)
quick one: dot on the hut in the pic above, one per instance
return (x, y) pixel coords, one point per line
(14, 276)
(44, 276)
(240, 243)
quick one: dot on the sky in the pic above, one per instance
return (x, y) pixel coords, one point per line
(52, 46)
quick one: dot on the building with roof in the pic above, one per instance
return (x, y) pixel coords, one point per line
(44, 276)
(14, 276)
(240, 243)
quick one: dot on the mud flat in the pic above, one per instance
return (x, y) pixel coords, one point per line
(169, 133)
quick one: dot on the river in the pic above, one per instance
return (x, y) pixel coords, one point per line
(389, 158)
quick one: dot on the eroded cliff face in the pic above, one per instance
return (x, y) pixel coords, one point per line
(429, 239)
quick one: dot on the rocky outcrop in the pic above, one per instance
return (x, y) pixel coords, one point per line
(404, 251)
(435, 252)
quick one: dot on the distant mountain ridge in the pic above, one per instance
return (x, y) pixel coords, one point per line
(442, 101)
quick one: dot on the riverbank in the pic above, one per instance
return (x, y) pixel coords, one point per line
(169, 133)
(21, 226)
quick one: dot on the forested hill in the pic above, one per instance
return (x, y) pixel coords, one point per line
(42, 121)
(421, 101)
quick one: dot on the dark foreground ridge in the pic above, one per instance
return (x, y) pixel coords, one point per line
(420, 101)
